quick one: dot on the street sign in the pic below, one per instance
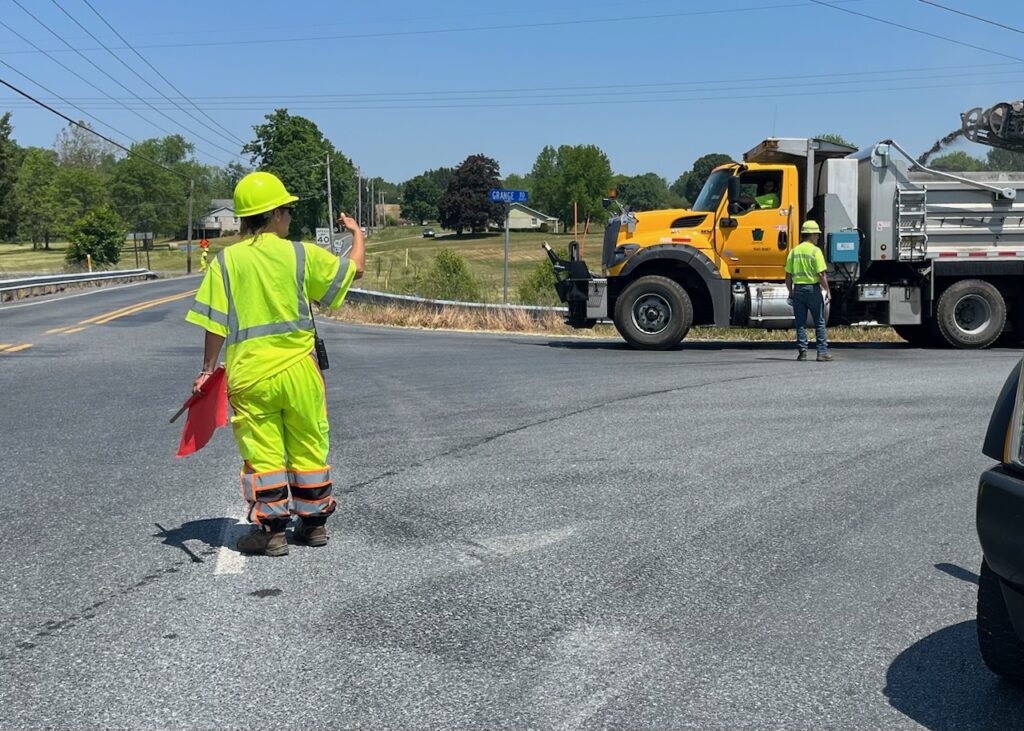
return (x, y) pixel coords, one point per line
(500, 195)
(323, 237)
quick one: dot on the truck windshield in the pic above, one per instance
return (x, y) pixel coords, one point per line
(711, 194)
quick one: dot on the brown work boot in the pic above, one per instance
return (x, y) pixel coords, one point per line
(312, 535)
(264, 543)
(824, 356)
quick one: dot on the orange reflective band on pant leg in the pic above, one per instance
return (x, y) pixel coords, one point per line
(254, 483)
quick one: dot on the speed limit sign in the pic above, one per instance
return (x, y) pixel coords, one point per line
(323, 237)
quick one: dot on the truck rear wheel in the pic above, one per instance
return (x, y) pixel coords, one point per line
(1001, 648)
(653, 313)
(971, 314)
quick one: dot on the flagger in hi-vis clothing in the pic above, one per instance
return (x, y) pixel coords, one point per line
(256, 298)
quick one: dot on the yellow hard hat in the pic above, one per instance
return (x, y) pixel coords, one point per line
(810, 227)
(260, 192)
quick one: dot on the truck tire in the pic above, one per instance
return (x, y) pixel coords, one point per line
(920, 336)
(653, 313)
(1001, 648)
(971, 314)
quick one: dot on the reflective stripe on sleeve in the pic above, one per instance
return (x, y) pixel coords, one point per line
(337, 284)
(207, 311)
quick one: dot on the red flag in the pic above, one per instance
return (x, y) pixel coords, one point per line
(207, 411)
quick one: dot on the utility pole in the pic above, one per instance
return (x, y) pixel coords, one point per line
(373, 203)
(359, 196)
(191, 195)
(330, 200)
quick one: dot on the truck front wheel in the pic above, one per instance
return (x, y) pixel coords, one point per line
(971, 314)
(653, 313)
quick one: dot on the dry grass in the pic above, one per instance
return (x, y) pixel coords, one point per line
(518, 321)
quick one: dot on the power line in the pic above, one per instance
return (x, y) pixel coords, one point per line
(804, 80)
(560, 99)
(973, 17)
(226, 134)
(917, 30)
(70, 104)
(70, 70)
(88, 129)
(476, 29)
(129, 91)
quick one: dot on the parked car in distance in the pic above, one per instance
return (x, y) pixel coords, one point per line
(428, 233)
(1000, 522)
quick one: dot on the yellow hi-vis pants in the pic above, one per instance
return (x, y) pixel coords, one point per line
(280, 424)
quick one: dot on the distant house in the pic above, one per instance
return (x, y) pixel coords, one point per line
(220, 220)
(522, 218)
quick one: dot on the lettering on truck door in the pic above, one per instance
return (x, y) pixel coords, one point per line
(752, 249)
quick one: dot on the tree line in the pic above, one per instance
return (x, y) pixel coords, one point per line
(48, 193)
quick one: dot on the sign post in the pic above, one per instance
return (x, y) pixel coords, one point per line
(508, 197)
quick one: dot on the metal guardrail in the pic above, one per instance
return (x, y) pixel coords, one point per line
(370, 297)
(11, 288)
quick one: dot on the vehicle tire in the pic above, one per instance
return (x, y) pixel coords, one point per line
(920, 336)
(1001, 648)
(653, 313)
(971, 314)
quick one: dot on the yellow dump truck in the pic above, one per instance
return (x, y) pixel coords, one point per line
(938, 256)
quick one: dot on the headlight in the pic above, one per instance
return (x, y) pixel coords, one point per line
(621, 253)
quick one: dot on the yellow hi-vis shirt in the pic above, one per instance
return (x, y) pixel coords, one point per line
(805, 262)
(256, 294)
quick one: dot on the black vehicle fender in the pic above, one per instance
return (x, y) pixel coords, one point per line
(699, 263)
(999, 422)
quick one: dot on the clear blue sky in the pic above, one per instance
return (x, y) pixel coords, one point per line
(401, 87)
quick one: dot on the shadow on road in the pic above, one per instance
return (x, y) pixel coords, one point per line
(941, 683)
(214, 532)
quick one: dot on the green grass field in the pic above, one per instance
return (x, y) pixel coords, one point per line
(395, 257)
(20, 259)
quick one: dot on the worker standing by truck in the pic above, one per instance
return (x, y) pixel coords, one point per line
(807, 282)
(256, 297)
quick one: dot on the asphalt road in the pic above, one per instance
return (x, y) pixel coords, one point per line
(534, 533)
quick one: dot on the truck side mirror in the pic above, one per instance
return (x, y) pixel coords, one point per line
(734, 194)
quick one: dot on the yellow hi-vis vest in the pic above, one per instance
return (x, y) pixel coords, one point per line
(256, 295)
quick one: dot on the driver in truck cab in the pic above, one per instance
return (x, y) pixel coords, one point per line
(769, 197)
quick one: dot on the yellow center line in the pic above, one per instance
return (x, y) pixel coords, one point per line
(108, 316)
(5, 346)
(16, 348)
(103, 319)
(56, 330)
(74, 330)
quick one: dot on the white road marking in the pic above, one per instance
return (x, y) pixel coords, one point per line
(229, 560)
